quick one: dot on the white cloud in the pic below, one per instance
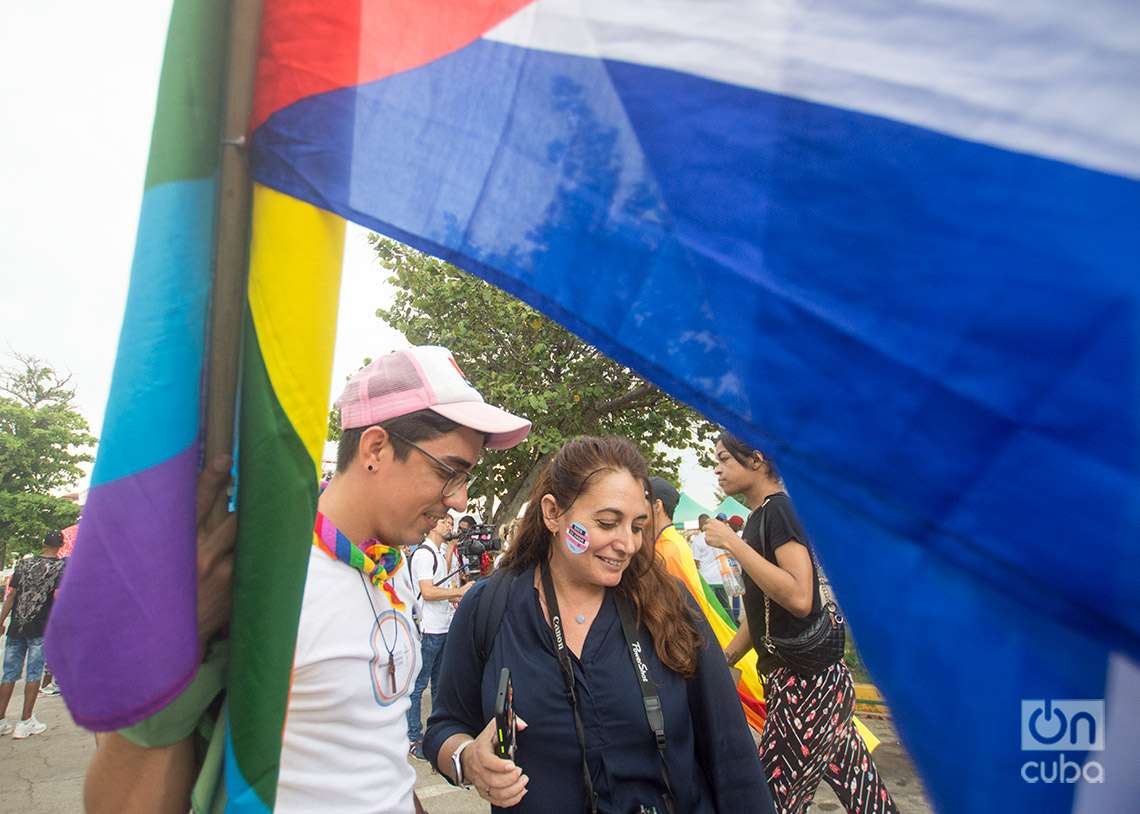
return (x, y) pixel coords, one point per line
(79, 82)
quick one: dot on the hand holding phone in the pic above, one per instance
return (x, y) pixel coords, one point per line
(499, 781)
(504, 740)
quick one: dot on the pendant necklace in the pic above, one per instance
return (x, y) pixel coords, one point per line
(383, 638)
(580, 618)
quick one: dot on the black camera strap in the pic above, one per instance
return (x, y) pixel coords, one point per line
(653, 712)
(568, 680)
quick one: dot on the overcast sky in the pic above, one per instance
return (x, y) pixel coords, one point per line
(78, 83)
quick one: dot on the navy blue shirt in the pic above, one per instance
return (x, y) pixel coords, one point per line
(712, 759)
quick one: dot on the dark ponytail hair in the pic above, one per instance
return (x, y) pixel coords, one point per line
(655, 594)
(742, 451)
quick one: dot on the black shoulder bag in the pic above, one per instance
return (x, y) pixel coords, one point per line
(653, 711)
(816, 648)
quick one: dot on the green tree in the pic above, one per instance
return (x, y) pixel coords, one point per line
(43, 443)
(528, 364)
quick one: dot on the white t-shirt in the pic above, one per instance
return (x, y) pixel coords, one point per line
(435, 614)
(706, 555)
(345, 745)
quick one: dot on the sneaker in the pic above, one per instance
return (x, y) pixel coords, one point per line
(417, 751)
(5, 727)
(25, 729)
(50, 689)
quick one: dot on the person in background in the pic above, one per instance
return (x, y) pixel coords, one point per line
(32, 591)
(466, 523)
(439, 589)
(707, 562)
(48, 687)
(808, 735)
(507, 533)
(506, 536)
(583, 559)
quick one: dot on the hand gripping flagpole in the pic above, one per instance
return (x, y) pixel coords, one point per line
(231, 237)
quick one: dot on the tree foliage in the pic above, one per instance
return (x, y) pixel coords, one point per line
(522, 361)
(43, 444)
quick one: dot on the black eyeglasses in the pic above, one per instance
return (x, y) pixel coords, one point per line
(455, 479)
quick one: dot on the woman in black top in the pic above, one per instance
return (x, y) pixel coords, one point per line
(808, 732)
(586, 542)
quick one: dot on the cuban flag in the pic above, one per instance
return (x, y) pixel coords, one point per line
(895, 245)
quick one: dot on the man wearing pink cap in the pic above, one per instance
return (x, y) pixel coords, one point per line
(413, 430)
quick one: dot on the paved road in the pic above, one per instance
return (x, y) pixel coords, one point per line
(44, 774)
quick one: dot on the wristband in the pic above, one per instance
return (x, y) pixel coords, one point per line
(457, 764)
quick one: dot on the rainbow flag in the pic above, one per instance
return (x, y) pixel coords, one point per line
(673, 549)
(893, 244)
(122, 634)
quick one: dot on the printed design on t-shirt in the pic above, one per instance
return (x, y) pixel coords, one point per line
(36, 580)
(393, 631)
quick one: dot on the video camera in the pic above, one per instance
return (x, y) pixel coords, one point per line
(471, 546)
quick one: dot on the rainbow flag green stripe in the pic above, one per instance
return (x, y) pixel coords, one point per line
(278, 500)
(188, 113)
(714, 603)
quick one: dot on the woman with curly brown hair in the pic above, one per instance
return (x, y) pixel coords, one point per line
(627, 700)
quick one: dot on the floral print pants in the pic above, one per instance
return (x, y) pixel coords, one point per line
(809, 737)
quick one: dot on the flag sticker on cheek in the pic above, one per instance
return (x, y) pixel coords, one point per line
(577, 538)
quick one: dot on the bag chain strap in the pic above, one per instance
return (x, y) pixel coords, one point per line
(830, 606)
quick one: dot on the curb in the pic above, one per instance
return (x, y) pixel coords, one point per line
(869, 701)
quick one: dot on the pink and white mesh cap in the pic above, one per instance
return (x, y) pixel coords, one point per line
(425, 378)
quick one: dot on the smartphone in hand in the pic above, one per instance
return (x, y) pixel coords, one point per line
(505, 717)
